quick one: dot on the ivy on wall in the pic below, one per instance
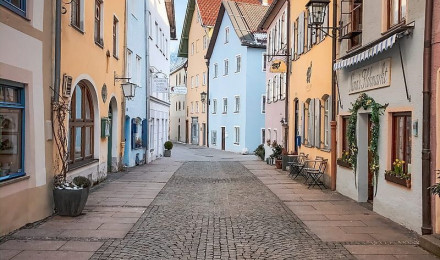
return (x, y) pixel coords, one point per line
(365, 102)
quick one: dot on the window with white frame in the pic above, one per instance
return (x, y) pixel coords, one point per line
(326, 122)
(225, 105)
(192, 81)
(98, 23)
(203, 108)
(264, 61)
(197, 106)
(269, 91)
(214, 106)
(204, 78)
(192, 107)
(269, 136)
(274, 89)
(76, 14)
(214, 137)
(205, 42)
(263, 135)
(263, 104)
(237, 135)
(238, 63)
(197, 80)
(128, 64)
(226, 35)
(197, 46)
(226, 68)
(237, 104)
(215, 70)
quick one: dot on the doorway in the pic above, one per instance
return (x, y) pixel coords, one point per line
(195, 131)
(204, 134)
(296, 124)
(223, 138)
(187, 131)
(370, 159)
(109, 140)
(178, 132)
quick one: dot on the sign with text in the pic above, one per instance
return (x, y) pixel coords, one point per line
(278, 66)
(179, 90)
(376, 75)
(160, 85)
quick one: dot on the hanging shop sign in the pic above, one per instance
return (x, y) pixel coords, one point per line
(179, 90)
(160, 85)
(376, 75)
(278, 66)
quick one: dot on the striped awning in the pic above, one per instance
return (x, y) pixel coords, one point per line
(376, 49)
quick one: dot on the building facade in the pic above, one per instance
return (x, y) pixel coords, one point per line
(276, 24)
(380, 65)
(25, 113)
(92, 40)
(178, 107)
(310, 85)
(236, 88)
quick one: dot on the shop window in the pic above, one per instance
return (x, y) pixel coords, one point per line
(396, 12)
(402, 139)
(136, 133)
(17, 6)
(11, 130)
(81, 126)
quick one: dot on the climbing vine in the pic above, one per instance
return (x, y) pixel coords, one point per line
(365, 102)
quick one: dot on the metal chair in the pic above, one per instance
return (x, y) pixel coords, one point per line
(297, 166)
(316, 174)
(311, 165)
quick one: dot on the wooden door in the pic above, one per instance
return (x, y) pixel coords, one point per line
(223, 138)
(370, 159)
(187, 131)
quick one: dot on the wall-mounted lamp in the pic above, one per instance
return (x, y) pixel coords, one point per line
(128, 88)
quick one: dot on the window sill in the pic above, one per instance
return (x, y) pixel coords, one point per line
(15, 10)
(99, 45)
(81, 164)
(116, 57)
(236, 112)
(14, 180)
(224, 113)
(394, 27)
(325, 150)
(77, 28)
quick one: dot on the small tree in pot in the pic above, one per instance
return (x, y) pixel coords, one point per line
(277, 151)
(168, 146)
(69, 197)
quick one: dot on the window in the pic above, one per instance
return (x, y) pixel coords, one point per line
(192, 108)
(75, 13)
(197, 46)
(197, 80)
(269, 91)
(225, 105)
(264, 61)
(156, 26)
(214, 137)
(17, 6)
(269, 134)
(192, 81)
(115, 37)
(283, 85)
(345, 147)
(263, 135)
(275, 135)
(98, 21)
(12, 131)
(226, 67)
(204, 78)
(81, 126)
(203, 108)
(192, 48)
(237, 104)
(238, 63)
(197, 106)
(263, 104)
(396, 12)
(226, 35)
(129, 64)
(237, 135)
(402, 139)
(327, 123)
(274, 89)
(214, 106)
(356, 24)
(205, 42)
(136, 133)
(137, 79)
(215, 70)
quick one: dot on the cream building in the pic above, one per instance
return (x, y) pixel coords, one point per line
(177, 99)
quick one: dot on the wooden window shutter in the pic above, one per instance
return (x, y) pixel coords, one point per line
(303, 126)
(318, 123)
(311, 136)
(330, 114)
(145, 133)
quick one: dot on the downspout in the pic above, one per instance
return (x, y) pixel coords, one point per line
(57, 72)
(426, 150)
(124, 102)
(333, 123)
(207, 103)
(286, 105)
(147, 77)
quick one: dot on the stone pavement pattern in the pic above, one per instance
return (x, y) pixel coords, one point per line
(208, 204)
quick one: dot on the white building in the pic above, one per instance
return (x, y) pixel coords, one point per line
(161, 29)
(178, 109)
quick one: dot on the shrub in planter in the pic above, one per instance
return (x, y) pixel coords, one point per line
(277, 151)
(397, 174)
(260, 151)
(168, 146)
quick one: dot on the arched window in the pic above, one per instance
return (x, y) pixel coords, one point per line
(81, 125)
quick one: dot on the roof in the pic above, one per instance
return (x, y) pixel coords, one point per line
(274, 9)
(245, 20)
(208, 10)
(179, 66)
(169, 5)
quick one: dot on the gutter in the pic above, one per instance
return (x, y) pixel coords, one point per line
(57, 72)
(286, 105)
(333, 123)
(147, 77)
(426, 141)
(207, 103)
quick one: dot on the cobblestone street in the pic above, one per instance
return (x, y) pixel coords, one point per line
(207, 204)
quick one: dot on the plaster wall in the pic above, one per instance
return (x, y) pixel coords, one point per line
(178, 107)
(26, 58)
(196, 66)
(398, 203)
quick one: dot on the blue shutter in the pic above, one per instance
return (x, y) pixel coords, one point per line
(145, 133)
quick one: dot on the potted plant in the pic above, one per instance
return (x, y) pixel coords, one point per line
(277, 151)
(435, 189)
(260, 151)
(344, 161)
(69, 197)
(168, 146)
(398, 175)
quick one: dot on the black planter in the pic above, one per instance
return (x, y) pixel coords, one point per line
(70, 202)
(344, 164)
(397, 180)
(167, 153)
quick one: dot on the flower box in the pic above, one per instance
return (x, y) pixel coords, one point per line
(342, 163)
(399, 181)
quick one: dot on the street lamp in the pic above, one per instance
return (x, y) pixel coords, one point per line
(129, 89)
(203, 96)
(316, 10)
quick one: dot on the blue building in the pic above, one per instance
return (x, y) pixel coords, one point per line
(236, 78)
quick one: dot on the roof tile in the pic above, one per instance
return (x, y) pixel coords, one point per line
(209, 9)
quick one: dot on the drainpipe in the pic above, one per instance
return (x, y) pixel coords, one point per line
(207, 103)
(426, 150)
(56, 86)
(124, 102)
(286, 105)
(333, 123)
(147, 77)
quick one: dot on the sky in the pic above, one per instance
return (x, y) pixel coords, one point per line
(180, 8)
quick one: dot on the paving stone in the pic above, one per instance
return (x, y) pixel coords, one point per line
(53, 255)
(385, 249)
(81, 246)
(6, 254)
(32, 244)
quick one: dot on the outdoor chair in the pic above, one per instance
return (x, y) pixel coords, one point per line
(311, 165)
(297, 165)
(316, 174)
